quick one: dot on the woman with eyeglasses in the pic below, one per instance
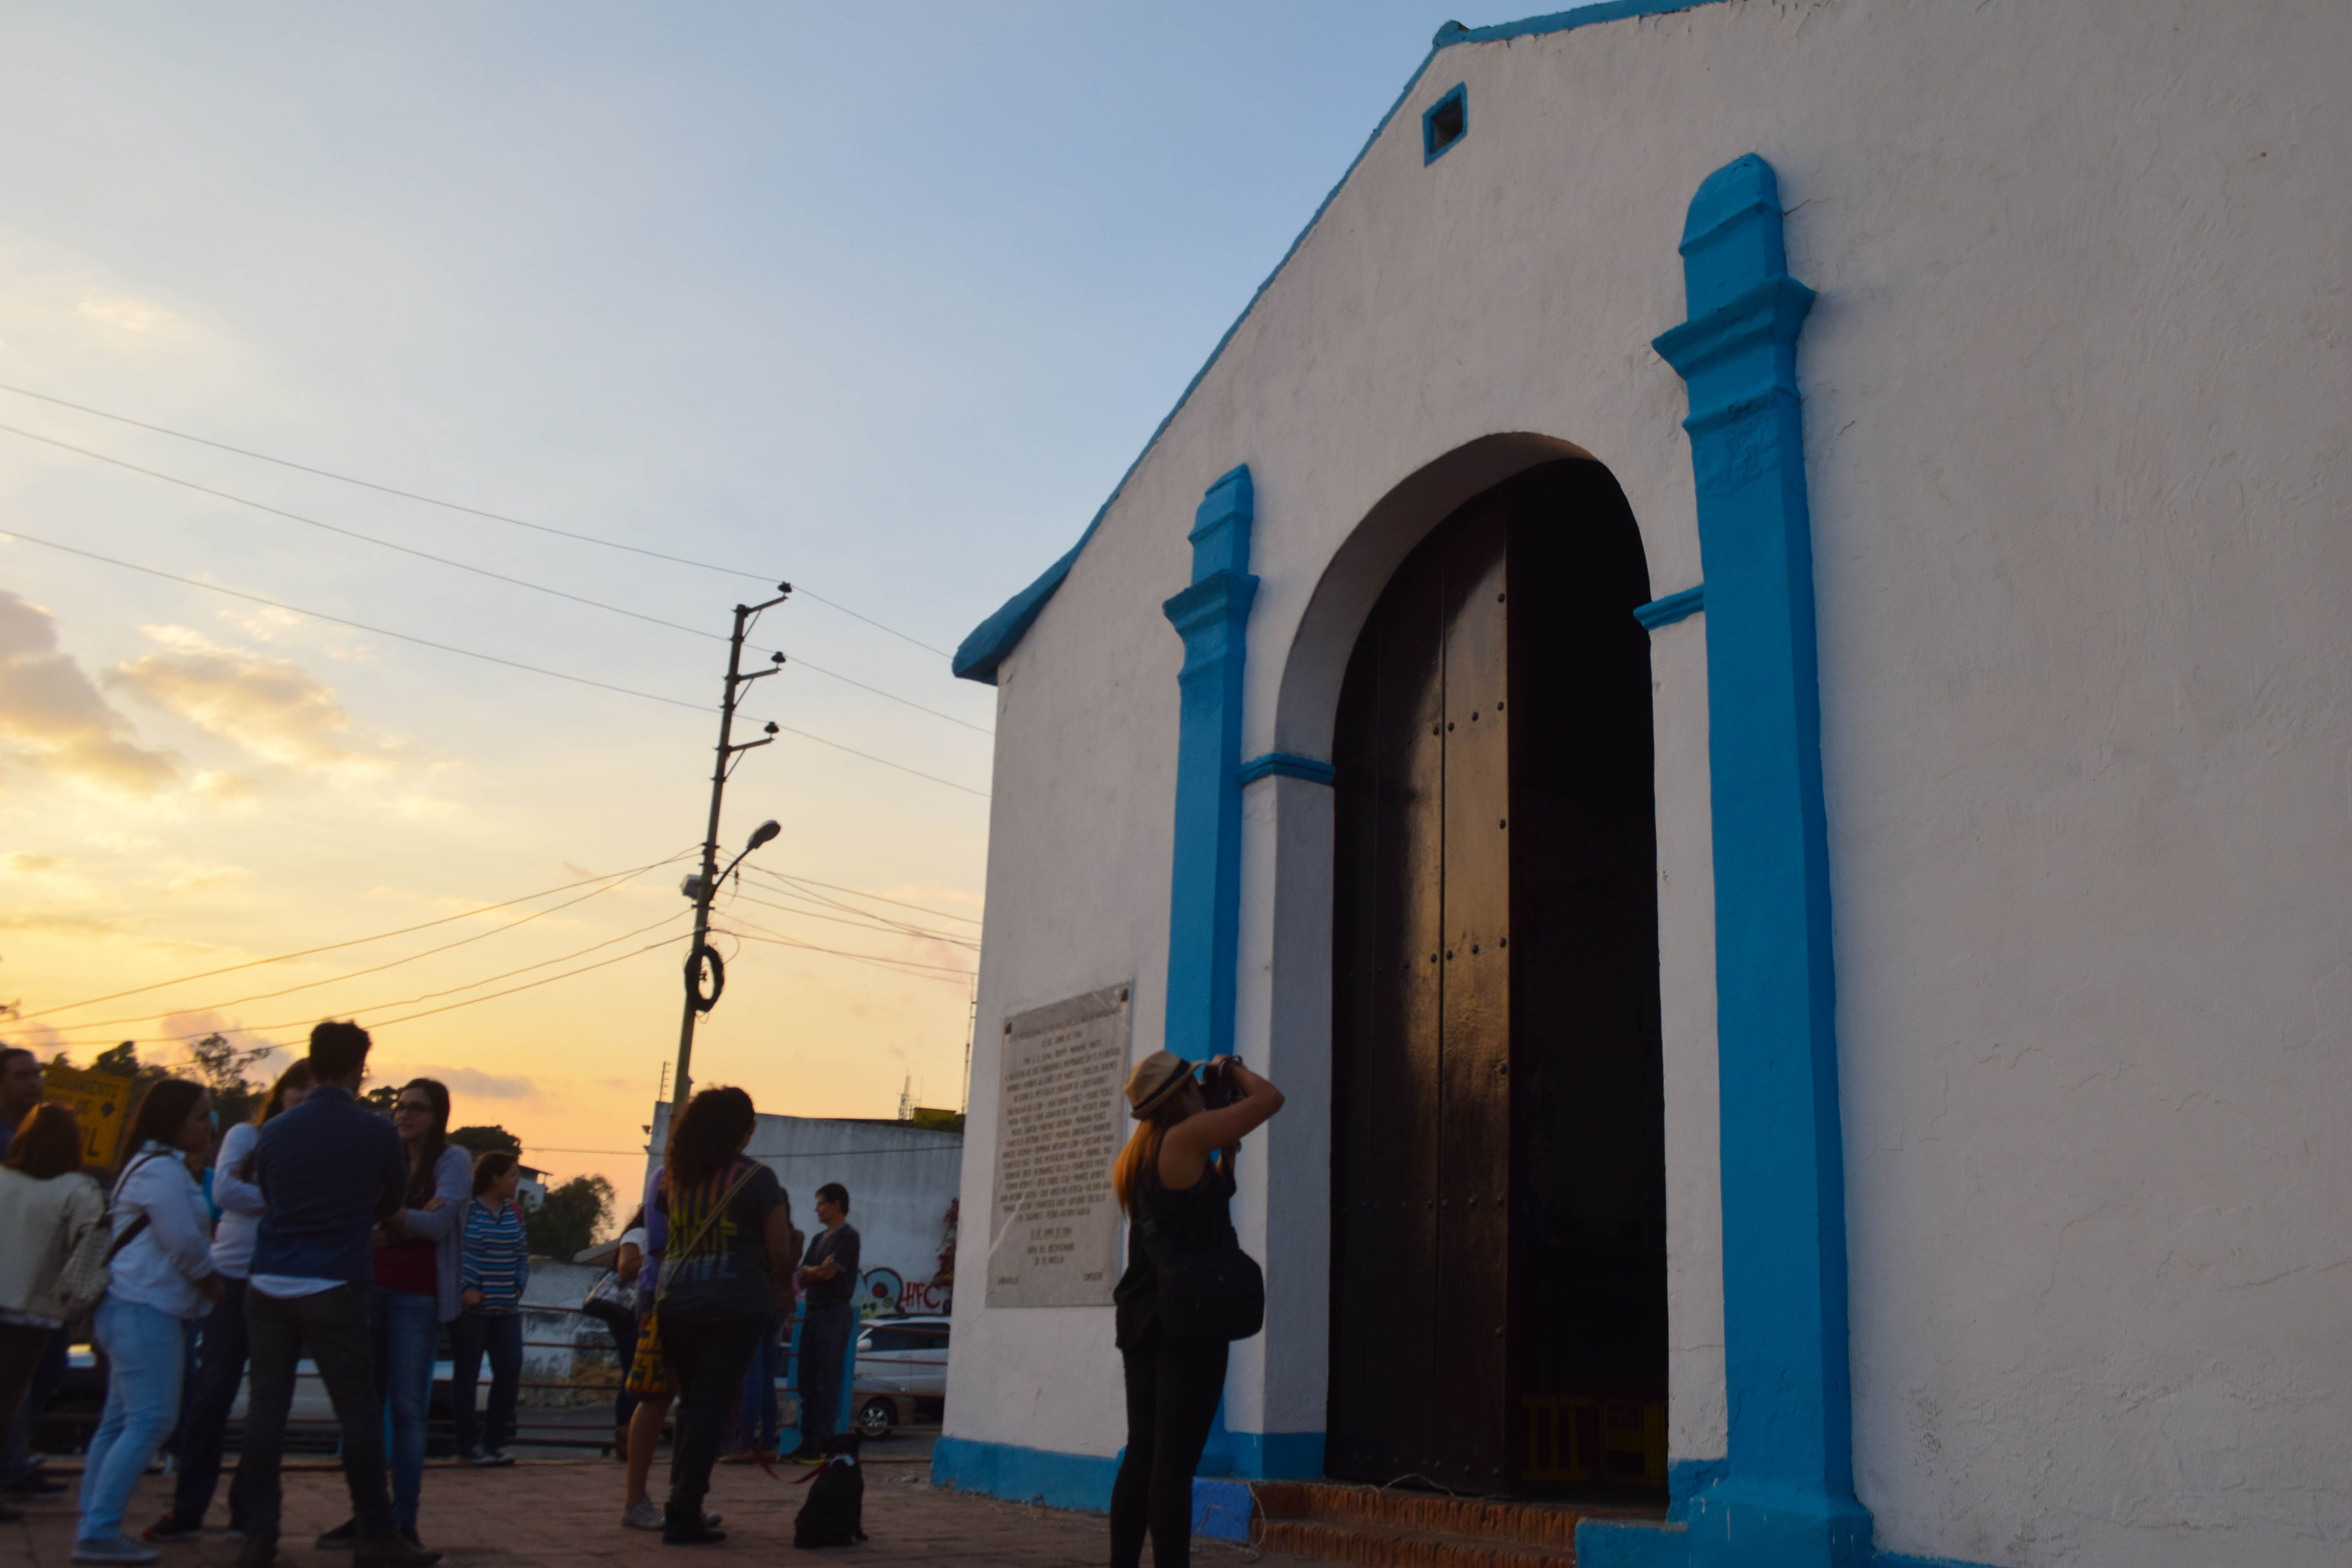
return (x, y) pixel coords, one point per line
(418, 1269)
(221, 1345)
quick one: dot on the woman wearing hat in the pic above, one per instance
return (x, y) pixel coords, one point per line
(1178, 1168)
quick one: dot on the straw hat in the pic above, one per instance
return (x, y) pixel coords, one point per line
(1155, 1077)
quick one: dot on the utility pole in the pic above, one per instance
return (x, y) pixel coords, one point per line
(702, 889)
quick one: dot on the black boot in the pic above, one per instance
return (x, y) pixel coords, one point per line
(684, 1527)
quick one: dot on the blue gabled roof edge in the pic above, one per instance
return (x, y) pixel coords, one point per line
(978, 656)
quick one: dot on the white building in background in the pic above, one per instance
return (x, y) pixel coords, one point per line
(1736, 678)
(902, 1180)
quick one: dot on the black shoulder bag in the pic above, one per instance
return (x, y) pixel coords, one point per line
(1204, 1296)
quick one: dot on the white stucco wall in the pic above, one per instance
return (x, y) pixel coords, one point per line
(2078, 397)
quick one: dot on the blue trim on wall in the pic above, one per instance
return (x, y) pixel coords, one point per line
(1673, 607)
(1205, 889)
(1432, 150)
(1222, 1509)
(977, 658)
(1277, 1456)
(1788, 1496)
(1283, 764)
(1026, 1475)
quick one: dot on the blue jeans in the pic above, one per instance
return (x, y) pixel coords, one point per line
(406, 1328)
(146, 1349)
(471, 1334)
(757, 1428)
(203, 1425)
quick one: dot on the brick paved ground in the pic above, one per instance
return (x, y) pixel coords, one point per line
(567, 1511)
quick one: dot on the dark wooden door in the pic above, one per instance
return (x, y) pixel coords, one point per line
(1421, 1293)
(1497, 1169)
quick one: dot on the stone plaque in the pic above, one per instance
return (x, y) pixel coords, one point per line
(1060, 1121)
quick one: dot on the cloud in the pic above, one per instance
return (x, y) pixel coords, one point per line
(26, 865)
(471, 1080)
(184, 1029)
(271, 707)
(54, 721)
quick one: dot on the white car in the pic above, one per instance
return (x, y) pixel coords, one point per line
(902, 1373)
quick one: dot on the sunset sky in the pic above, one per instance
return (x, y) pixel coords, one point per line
(879, 300)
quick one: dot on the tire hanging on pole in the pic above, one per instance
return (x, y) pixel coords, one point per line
(705, 954)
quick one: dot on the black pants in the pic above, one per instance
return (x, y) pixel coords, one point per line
(204, 1413)
(22, 1350)
(1172, 1391)
(471, 1334)
(824, 1342)
(332, 1326)
(705, 1360)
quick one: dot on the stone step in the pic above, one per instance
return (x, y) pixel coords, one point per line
(1394, 1528)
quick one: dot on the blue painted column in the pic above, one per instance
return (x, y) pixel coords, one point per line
(1205, 892)
(1788, 1493)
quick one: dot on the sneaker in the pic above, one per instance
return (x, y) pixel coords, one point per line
(342, 1537)
(642, 1515)
(115, 1549)
(478, 1456)
(678, 1530)
(173, 1527)
(498, 1457)
(416, 1542)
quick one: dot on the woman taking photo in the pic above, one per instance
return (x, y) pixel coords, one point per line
(221, 1347)
(163, 1279)
(495, 1268)
(1175, 1177)
(729, 1241)
(45, 1206)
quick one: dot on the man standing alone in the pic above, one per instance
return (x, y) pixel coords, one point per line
(328, 1170)
(828, 1275)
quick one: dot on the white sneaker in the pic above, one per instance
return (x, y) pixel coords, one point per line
(119, 1548)
(642, 1515)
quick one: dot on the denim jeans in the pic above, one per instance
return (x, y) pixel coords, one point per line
(825, 1333)
(470, 1334)
(146, 1349)
(332, 1327)
(203, 1416)
(757, 1428)
(406, 1329)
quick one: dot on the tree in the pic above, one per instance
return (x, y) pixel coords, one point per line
(382, 1098)
(567, 1222)
(482, 1140)
(222, 1067)
(122, 1061)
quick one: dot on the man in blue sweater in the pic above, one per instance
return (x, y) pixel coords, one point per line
(328, 1169)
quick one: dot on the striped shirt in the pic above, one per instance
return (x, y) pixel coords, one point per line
(498, 1256)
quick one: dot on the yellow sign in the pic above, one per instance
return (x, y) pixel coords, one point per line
(99, 1100)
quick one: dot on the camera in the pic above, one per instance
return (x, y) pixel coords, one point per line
(1218, 1088)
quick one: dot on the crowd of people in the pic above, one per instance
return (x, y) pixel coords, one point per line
(320, 1230)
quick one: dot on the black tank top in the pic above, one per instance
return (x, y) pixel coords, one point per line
(1195, 1219)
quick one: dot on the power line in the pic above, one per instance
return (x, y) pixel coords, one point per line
(436, 995)
(811, 881)
(914, 931)
(458, 565)
(359, 941)
(465, 652)
(456, 506)
(943, 970)
(909, 926)
(376, 969)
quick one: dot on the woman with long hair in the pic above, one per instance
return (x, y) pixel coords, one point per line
(163, 1280)
(729, 1238)
(417, 1260)
(1177, 1172)
(45, 1206)
(495, 1269)
(221, 1345)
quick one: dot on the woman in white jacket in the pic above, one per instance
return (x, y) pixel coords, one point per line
(45, 1206)
(162, 1279)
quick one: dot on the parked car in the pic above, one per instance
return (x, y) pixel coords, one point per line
(902, 1373)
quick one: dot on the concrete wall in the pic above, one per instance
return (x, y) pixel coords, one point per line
(2077, 401)
(901, 1180)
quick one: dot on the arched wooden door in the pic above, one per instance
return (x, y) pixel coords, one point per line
(1499, 1182)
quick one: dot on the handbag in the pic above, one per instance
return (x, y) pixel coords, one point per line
(1205, 1296)
(90, 1268)
(649, 1373)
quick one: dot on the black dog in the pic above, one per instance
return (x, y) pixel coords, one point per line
(835, 1513)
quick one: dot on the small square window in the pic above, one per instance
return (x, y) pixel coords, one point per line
(1443, 125)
